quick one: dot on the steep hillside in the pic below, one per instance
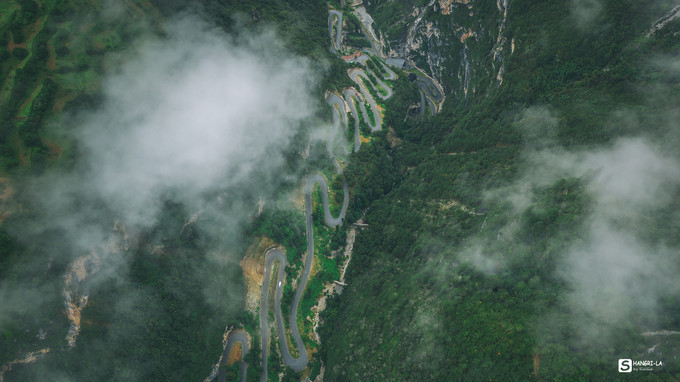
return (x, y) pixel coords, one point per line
(86, 296)
(383, 190)
(463, 44)
(532, 234)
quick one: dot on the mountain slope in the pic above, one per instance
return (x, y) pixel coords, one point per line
(483, 263)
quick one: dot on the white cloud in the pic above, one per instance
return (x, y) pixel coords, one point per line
(192, 112)
(585, 12)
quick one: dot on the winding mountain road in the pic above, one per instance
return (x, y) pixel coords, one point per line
(335, 40)
(430, 88)
(339, 114)
(300, 362)
(430, 93)
(391, 75)
(355, 75)
(275, 255)
(351, 96)
(235, 337)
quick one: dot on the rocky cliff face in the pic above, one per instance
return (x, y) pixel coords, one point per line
(460, 43)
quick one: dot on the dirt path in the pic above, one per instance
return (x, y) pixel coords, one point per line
(11, 45)
(52, 59)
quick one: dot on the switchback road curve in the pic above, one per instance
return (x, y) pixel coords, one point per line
(274, 255)
(235, 337)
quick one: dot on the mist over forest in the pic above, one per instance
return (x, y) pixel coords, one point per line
(300, 191)
(174, 153)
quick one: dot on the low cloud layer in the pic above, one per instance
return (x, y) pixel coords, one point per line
(195, 116)
(614, 271)
(585, 12)
(618, 268)
(192, 113)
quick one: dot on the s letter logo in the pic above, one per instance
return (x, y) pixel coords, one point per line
(625, 366)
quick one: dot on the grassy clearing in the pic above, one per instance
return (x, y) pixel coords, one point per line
(86, 81)
(107, 40)
(25, 108)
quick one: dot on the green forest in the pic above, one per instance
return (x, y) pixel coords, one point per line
(457, 272)
(443, 318)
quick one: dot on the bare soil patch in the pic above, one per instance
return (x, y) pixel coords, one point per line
(253, 271)
(234, 354)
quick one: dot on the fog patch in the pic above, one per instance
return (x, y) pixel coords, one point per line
(192, 113)
(584, 13)
(538, 126)
(616, 271)
(192, 116)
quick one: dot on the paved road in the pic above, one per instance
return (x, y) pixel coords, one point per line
(273, 255)
(426, 84)
(363, 58)
(329, 219)
(433, 107)
(429, 87)
(370, 40)
(300, 362)
(351, 98)
(377, 78)
(339, 114)
(335, 46)
(359, 77)
(391, 75)
(429, 92)
(355, 75)
(235, 337)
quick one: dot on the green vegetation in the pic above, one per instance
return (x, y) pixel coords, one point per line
(390, 16)
(375, 65)
(73, 71)
(374, 81)
(349, 132)
(418, 305)
(441, 317)
(364, 129)
(371, 84)
(176, 325)
(354, 36)
(177, 334)
(369, 112)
